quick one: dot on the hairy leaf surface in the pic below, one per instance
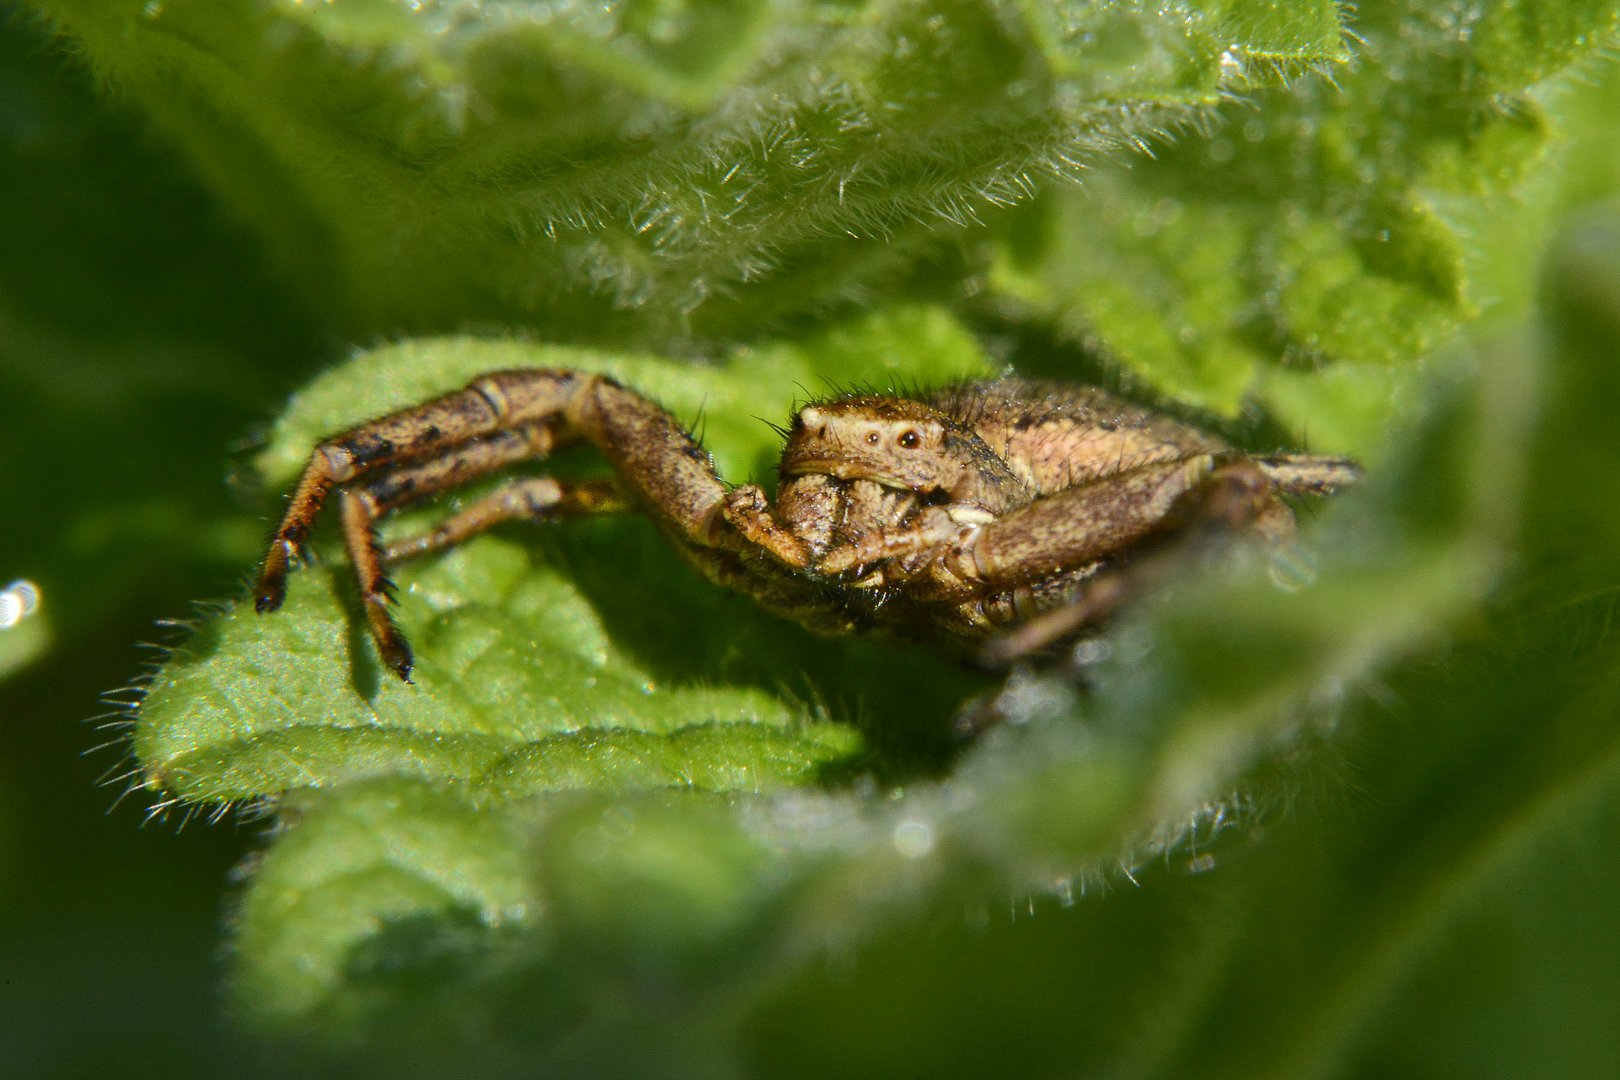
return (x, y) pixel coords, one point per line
(639, 172)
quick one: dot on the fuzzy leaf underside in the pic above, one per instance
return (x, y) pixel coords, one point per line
(644, 171)
(1326, 225)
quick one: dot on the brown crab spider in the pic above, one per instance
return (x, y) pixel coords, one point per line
(958, 514)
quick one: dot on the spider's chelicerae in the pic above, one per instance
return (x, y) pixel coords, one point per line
(1009, 512)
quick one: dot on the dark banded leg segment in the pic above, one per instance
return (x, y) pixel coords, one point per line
(361, 508)
(500, 418)
(359, 515)
(498, 402)
(407, 484)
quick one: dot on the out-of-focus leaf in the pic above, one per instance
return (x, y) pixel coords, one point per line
(638, 172)
(140, 335)
(1388, 916)
(1327, 225)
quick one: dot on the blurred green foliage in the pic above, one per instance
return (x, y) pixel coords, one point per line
(639, 173)
(1355, 826)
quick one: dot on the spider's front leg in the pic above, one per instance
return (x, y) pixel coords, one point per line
(499, 419)
(1087, 537)
(1110, 518)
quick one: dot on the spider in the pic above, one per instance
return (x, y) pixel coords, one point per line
(1005, 516)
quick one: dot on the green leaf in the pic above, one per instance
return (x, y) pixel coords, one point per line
(1433, 899)
(522, 689)
(645, 171)
(346, 876)
(1321, 226)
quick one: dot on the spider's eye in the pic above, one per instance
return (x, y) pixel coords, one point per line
(872, 438)
(908, 440)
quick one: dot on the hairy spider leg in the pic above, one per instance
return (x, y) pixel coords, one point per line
(1293, 474)
(1065, 530)
(408, 435)
(402, 485)
(1238, 497)
(1307, 474)
(376, 590)
(361, 507)
(499, 418)
(536, 498)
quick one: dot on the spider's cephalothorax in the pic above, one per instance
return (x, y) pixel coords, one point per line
(949, 514)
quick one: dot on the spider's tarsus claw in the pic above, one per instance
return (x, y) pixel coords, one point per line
(391, 644)
(271, 588)
(397, 655)
(270, 591)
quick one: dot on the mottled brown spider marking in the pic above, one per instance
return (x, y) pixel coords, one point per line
(956, 514)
